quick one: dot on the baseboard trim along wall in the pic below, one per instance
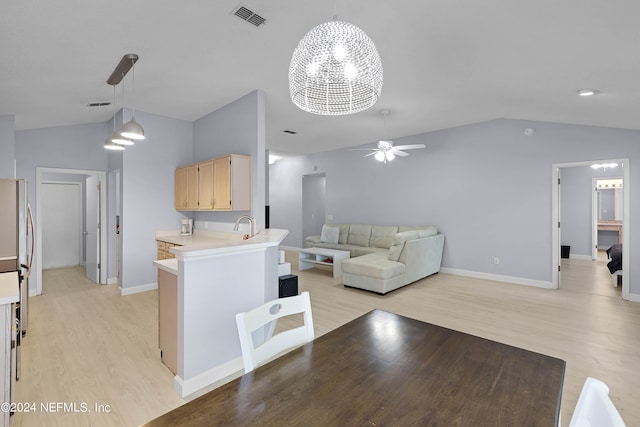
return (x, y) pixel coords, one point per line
(634, 297)
(498, 278)
(200, 381)
(138, 289)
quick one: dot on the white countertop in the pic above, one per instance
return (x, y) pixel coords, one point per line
(168, 265)
(9, 290)
(203, 243)
(198, 237)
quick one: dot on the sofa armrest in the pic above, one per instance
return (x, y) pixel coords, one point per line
(312, 240)
(422, 257)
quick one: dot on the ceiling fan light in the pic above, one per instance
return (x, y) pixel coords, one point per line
(132, 130)
(379, 156)
(389, 155)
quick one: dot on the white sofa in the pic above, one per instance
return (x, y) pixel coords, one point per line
(384, 257)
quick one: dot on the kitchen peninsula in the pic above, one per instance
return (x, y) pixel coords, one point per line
(217, 275)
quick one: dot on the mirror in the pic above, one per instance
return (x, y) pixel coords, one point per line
(610, 204)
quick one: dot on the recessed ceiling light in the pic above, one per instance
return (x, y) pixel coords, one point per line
(587, 92)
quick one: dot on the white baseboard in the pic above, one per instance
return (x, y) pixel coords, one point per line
(498, 278)
(634, 297)
(112, 281)
(200, 381)
(138, 289)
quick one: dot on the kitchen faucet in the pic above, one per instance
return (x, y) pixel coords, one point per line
(252, 224)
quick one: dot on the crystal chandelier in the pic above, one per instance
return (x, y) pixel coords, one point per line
(335, 70)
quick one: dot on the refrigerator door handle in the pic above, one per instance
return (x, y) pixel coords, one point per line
(33, 244)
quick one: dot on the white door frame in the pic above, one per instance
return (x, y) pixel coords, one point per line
(555, 219)
(102, 176)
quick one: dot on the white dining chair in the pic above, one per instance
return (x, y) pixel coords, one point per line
(249, 322)
(594, 407)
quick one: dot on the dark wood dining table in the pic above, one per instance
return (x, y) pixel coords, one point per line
(383, 369)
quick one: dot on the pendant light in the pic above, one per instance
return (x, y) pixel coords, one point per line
(109, 144)
(335, 70)
(117, 137)
(132, 129)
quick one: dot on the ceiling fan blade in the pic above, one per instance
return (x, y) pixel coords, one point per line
(400, 153)
(370, 154)
(409, 147)
(363, 149)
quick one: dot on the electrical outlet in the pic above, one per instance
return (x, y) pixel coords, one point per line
(496, 260)
(330, 217)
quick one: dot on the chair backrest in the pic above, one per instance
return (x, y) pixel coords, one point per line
(249, 322)
(594, 407)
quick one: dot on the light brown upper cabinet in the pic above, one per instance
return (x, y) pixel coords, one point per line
(192, 188)
(220, 184)
(180, 196)
(187, 188)
(205, 185)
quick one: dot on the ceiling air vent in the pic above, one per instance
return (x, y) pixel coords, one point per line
(248, 16)
(98, 104)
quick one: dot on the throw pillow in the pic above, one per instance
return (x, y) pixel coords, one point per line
(329, 234)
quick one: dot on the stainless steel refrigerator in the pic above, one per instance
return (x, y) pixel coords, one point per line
(16, 248)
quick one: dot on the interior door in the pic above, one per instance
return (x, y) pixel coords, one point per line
(61, 224)
(92, 231)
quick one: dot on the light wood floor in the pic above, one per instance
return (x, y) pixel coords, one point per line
(88, 344)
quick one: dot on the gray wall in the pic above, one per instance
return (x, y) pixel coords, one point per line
(65, 147)
(237, 128)
(148, 170)
(7, 146)
(487, 186)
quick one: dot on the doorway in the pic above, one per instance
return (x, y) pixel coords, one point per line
(559, 217)
(313, 204)
(41, 173)
(62, 224)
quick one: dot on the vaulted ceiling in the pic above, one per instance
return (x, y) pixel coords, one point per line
(446, 63)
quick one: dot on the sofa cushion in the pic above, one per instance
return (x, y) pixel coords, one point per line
(382, 236)
(374, 265)
(432, 229)
(359, 234)
(344, 233)
(398, 243)
(428, 231)
(329, 234)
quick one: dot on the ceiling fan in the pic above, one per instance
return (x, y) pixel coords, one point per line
(385, 151)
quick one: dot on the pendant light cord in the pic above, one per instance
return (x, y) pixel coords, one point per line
(133, 87)
(116, 107)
